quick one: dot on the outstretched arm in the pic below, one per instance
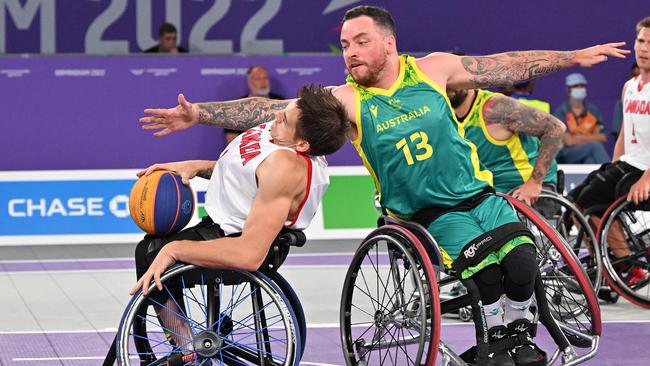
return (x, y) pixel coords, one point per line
(465, 72)
(523, 119)
(240, 114)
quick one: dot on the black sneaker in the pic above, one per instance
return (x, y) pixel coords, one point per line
(498, 350)
(526, 353)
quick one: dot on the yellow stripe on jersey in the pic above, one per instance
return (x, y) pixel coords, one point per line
(357, 142)
(513, 144)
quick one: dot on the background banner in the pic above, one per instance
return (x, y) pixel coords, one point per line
(80, 207)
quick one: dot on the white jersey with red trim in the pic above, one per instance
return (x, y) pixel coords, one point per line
(233, 185)
(636, 123)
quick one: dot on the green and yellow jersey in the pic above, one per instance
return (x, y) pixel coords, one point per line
(511, 161)
(412, 145)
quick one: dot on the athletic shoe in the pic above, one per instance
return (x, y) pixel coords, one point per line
(498, 351)
(526, 352)
(179, 359)
(637, 277)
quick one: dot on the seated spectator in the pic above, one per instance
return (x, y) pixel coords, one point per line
(259, 85)
(167, 41)
(617, 117)
(584, 138)
(523, 92)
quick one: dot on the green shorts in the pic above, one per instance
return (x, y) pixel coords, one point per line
(454, 230)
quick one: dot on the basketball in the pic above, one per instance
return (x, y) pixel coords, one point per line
(160, 204)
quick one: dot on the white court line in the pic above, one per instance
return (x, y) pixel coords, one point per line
(309, 326)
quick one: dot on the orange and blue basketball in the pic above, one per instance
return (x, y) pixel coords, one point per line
(160, 204)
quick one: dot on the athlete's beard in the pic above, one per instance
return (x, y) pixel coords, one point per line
(458, 98)
(374, 70)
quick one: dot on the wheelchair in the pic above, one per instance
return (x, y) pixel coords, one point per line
(574, 227)
(236, 317)
(391, 306)
(633, 221)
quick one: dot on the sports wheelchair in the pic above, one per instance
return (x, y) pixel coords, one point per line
(632, 221)
(391, 308)
(574, 227)
(236, 317)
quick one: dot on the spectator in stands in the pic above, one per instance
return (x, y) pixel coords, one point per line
(259, 85)
(584, 138)
(617, 116)
(167, 41)
(523, 92)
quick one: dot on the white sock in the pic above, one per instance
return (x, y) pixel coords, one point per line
(516, 309)
(493, 314)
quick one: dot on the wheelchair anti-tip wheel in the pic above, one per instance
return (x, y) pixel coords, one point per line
(390, 311)
(231, 318)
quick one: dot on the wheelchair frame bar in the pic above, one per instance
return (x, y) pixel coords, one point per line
(613, 210)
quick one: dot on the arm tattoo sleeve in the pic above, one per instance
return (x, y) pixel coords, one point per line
(240, 114)
(520, 118)
(512, 67)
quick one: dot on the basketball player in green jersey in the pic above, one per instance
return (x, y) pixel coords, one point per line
(516, 142)
(409, 139)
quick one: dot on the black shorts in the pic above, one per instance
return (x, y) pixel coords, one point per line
(148, 248)
(599, 189)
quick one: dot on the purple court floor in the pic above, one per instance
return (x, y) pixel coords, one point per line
(623, 343)
(44, 288)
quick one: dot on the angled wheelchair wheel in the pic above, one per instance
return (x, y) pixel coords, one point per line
(627, 275)
(209, 317)
(571, 299)
(296, 306)
(390, 312)
(576, 231)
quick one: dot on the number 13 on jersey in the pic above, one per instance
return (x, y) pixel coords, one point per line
(422, 148)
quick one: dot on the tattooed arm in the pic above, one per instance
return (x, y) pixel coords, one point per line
(240, 114)
(519, 118)
(464, 72)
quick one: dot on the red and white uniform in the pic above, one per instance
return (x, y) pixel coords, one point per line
(636, 121)
(233, 186)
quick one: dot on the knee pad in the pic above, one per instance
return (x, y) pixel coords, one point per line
(490, 276)
(489, 281)
(520, 265)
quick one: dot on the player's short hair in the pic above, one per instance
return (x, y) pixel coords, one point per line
(322, 121)
(166, 28)
(380, 15)
(643, 23)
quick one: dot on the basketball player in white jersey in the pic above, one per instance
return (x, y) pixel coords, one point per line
(269, 177)
(631, 153)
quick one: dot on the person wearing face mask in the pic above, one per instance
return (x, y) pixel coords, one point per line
(583, 141)
(259, 85)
